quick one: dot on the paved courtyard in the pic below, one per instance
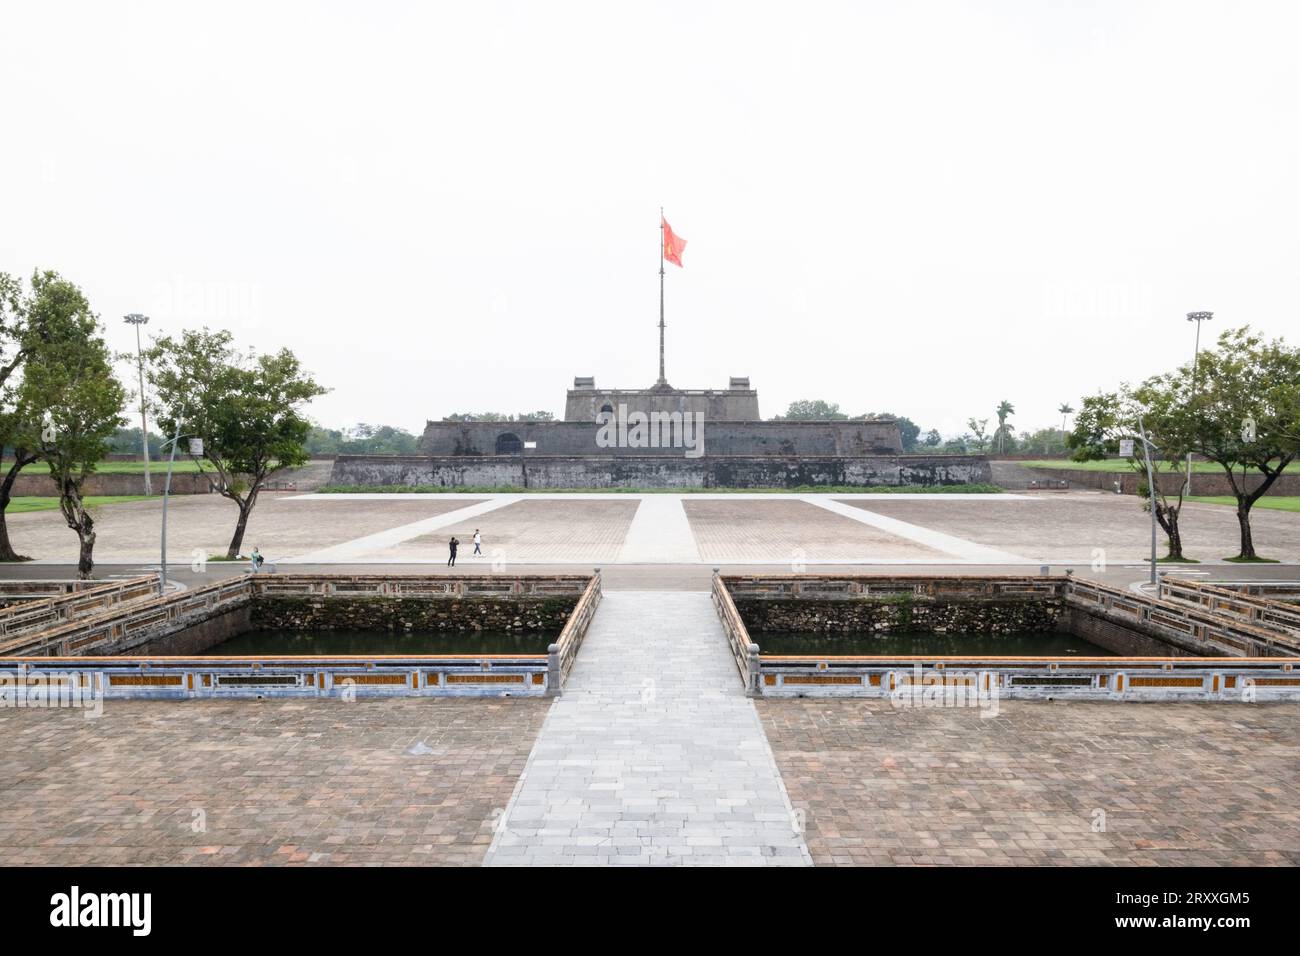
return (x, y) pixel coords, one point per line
(653, 755)
(1181, 784)
(606, 529)
(685, 775)
(412, 782)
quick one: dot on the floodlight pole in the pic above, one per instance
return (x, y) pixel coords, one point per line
(1198, 318)
(138, 320)
(167, 487)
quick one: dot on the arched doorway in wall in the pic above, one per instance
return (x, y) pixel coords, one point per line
(509, 444)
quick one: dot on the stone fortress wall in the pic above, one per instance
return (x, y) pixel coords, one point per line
(729, 447)
(752, 439)
(656, 471)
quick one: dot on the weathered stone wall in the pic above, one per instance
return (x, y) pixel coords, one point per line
(197, 638)
(658, 472)
(885, 615)
(34, 483)
(578, 438)
(1209, 484)
(390, 614)
(1116, 637)
(716, 405)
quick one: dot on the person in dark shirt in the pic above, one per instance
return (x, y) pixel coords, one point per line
(452, 545)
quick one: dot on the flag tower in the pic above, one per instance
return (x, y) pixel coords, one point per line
(671, 246)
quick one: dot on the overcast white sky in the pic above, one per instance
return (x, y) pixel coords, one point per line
(915, 207)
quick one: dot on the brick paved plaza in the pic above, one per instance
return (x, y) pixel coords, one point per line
(412, 782)
(328, 782)
(671, 528)
(653, 755)
(1181, 784)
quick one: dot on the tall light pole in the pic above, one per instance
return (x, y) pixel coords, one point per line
(1151, 496)
(1198, 318)
(138, 320)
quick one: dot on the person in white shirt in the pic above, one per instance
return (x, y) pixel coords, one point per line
(478, 541)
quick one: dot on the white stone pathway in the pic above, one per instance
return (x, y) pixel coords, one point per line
(653, 755)
(957, 547)
(360, 547)
(660, 533)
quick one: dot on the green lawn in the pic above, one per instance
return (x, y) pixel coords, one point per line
(1272, 502)
(19, 506)
(1120, 465)
(124, 467)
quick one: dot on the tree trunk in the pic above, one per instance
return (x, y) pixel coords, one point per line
(21, 460)
(85, 561)
(1243, 519)
(85, 528)
(1168, 520)
(238, 540)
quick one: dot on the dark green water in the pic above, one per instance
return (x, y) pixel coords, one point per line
(1029, 644)
(327, 642)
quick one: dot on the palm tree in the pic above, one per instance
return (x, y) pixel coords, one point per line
(1005, 410)
(1065, 410)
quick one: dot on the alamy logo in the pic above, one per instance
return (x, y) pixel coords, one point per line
(624, 429)
(103, 909)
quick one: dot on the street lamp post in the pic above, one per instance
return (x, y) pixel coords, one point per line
(1198, 318)
(1151, 495)
(167, 487)
(138, 320)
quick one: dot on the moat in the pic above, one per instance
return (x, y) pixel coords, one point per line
(343, 641)
(902, 643)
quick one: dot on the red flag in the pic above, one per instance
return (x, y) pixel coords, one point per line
(674, 245)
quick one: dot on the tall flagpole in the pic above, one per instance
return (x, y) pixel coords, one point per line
(662, 380)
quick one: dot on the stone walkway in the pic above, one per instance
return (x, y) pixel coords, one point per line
(653, 755)
(659, 533)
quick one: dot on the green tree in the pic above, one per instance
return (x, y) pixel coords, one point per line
(378, 440)
(1245, 415)
(1005, 410)
(70, 406)
(476, 417)
(323, 441)
(16, 341)
(1066, 410)
(979, 434)
(1041, 441)
(932, 438)
(908, 431)
(50, 312)
(1107, 418)
(247, 408)
(812, 409)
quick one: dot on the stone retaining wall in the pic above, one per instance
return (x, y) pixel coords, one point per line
(198, 638)
(757, 439)
(38, 484)
(492, 471)
(920, 616)
(1118, 638)
(393, 614)
(1207, 484)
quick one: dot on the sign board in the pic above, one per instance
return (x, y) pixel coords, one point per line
(530, 444)
(196, 447)
(1126, 447)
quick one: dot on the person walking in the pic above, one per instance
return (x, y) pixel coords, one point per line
(478, 541)
(452, 545)
(256, 560)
